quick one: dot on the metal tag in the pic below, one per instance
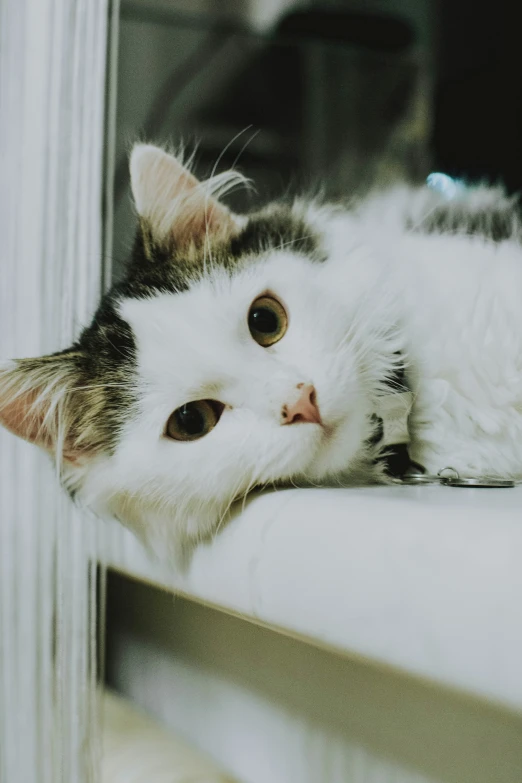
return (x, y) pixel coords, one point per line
(485, 483)
(449, 477)
(417, 479)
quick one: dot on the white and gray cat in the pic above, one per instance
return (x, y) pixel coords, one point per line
(241, 351)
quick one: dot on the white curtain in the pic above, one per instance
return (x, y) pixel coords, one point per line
(52, 88)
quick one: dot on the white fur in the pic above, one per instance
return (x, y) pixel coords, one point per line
(196, 345)
(459, 300)
(451, 303)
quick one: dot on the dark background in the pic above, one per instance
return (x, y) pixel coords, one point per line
(343, 95)
(477, 103)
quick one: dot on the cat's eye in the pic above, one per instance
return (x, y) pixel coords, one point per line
(194, 419)
(267, 320)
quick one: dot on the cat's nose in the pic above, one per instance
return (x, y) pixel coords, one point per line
(304, 409)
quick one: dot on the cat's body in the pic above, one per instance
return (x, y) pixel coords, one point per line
(282, 331)
(457, 280)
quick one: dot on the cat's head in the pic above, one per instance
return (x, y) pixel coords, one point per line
(238, 351)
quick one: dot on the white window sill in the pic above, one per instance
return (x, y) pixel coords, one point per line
(424, 579)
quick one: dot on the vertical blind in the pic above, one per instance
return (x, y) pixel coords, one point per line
(52, 99)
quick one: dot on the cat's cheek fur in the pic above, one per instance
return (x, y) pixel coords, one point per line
(182, 357)
(163, 516)
(168, 491)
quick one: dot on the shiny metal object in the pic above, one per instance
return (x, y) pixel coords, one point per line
(447, 473)
(486, 483)
(417, 479)
(450, 477)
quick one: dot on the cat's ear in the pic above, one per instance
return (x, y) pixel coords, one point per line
(175, 206)
(39, 403)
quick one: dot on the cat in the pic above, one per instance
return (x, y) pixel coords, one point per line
(248, 350)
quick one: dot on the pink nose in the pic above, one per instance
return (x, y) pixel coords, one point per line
(304, 409)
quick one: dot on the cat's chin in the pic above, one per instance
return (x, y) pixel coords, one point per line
(340, 446)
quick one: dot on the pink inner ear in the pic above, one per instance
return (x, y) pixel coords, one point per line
(173, 201)
(36, 405)
(201, 219)
(157, 179)
(185, 180)
(27, 422)
(21, 419)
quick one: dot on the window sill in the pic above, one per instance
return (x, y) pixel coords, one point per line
(427, 580)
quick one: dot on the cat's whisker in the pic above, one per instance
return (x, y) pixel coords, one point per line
(236, 494)
(227, 147)
(207, 250)
(246, 493)
(294, 241)
(89, 386)
(245, 145)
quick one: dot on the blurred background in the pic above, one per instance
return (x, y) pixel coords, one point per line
(345, 94)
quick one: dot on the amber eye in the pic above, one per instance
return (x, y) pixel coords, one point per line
(194, 420)
(267, 320)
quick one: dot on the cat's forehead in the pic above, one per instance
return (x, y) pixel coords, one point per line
(216, 298)
(211, 309)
